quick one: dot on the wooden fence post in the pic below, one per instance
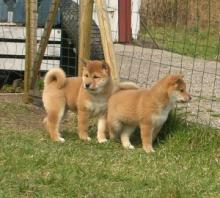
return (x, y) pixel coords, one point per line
(33, 35)
(106, 37)
(86, 9)
(27, 53)
(30, 45)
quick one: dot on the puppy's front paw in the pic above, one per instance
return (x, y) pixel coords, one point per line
(85, 138)
(149, 149)
(102, 140)
(60, 139)
(128, 146)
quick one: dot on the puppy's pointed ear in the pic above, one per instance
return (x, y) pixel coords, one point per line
(177, 79)
(84, 61)
(105, 65)
(181, 76)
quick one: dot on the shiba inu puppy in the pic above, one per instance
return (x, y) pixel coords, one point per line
(88, 95)
(147, 109)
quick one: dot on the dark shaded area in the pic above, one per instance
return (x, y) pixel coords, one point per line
(70, 24)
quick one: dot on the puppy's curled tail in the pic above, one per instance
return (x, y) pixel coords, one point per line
(125, 86)
(55, 74)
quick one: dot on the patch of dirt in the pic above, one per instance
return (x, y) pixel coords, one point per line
(17, 115)
(20, 116)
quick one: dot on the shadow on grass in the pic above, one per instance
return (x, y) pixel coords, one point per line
(171, 126)
(71, 133)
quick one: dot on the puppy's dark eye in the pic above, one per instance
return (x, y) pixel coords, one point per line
(182, 90)
(86, 75)
(96, 77)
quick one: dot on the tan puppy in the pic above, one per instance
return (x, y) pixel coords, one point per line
(87, 94)
(147, 109)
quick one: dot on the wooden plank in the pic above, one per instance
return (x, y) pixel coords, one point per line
(44, 40)
(86, 10)
(16, 32)
(19, 64)
(19, 49)
(106, 37)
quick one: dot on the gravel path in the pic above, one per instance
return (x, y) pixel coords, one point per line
(145, 66)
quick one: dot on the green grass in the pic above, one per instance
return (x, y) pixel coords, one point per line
(191, 41)
(186, 163)
(217, 115)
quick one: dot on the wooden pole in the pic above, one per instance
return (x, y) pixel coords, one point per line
(26, 98)
(86, 9)
(106, 37)
(44, 40)
(33, 34)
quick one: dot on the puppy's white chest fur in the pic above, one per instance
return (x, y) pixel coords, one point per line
(160, 119)
(96, 107)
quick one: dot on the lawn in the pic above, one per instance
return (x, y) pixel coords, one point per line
(186, 162)
(194, 42)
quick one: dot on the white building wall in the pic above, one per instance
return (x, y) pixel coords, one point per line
(112, 9)
(135, 17)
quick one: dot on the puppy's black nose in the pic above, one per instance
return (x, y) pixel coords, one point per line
(87, 86)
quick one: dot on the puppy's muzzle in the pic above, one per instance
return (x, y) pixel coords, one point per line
(87, 86)
(186, 99)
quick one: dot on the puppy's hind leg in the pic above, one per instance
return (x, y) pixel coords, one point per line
(45, 122)
(53, 122)
(114, 128)
(111, 133)
(125, 137)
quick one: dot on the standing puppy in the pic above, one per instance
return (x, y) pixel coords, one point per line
(88, 95)
(147, 109)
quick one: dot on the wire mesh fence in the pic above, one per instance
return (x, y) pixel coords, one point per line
(13, 36)
(178, 36)
(165, 37)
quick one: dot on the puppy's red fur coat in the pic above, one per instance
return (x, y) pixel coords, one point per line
(147, 109)
(88, 95)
